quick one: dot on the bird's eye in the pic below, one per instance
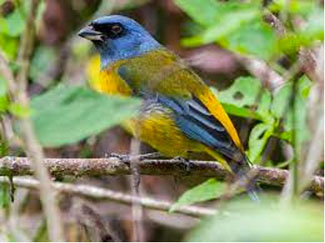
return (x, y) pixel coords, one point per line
(116, 29)
(109, 30)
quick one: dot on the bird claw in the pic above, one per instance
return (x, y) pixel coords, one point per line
(186, 162)
(123, 157)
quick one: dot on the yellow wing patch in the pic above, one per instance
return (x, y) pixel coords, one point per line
(213, 105)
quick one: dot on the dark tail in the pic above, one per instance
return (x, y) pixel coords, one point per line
(244, 174)
(253, 195)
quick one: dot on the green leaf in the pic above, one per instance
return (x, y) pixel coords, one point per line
(3, 86)
(19, 110)
(13, 25)
(281, 100)
(262, 222)
(300, 7)
(247, 37)
(229, 25)
(240, 111)
(235, 25)
(203, 12)
(254, 38)
(4, 196)
(258, 139)
(315, 26)
(68, 114)
(306, 34)
(4, 103)
(243, 92)
(203, 192)
(242, 97)
(9, 45)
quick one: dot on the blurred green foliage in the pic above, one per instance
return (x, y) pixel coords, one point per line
(4, 188)
(4, 196)
(264, 222)
(206, 191)
(67, 114)
(235, 25)
(239, 26)
(43, 59)
(11, 27)
(246, 98)
(4, 102)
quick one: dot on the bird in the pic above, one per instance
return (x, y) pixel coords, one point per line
(179, 114)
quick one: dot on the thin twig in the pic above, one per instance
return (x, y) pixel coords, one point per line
(314, 156)
(260, 69)
(312, 60)
(137, 212)
(20, 166)
(13, 221)
(7, 74)
(274, 22)
(17, 89)
(94, 222)
(313, 64)
(100, 193)
(290, 190)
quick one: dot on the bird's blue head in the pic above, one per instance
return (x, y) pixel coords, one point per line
(117, 37)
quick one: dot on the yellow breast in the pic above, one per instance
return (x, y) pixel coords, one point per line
(106, 81)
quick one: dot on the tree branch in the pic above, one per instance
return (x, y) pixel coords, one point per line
(18, 166)
(100, 193)
(260, 69)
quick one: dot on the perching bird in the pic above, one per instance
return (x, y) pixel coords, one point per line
(180, 114)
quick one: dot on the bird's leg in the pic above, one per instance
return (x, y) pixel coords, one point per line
(186, 162)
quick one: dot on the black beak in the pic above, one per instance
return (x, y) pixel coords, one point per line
(90, 34)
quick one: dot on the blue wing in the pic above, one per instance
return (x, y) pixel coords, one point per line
(196, 122)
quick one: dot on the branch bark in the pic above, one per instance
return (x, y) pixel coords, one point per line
(18, 166)
(260, 69)
(101, 193)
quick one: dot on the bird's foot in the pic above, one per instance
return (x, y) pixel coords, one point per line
(185, 162)
(125, 158)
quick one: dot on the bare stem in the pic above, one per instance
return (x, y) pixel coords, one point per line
(269, 78)
(17, 88)
(100, 193)
(137, 212)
